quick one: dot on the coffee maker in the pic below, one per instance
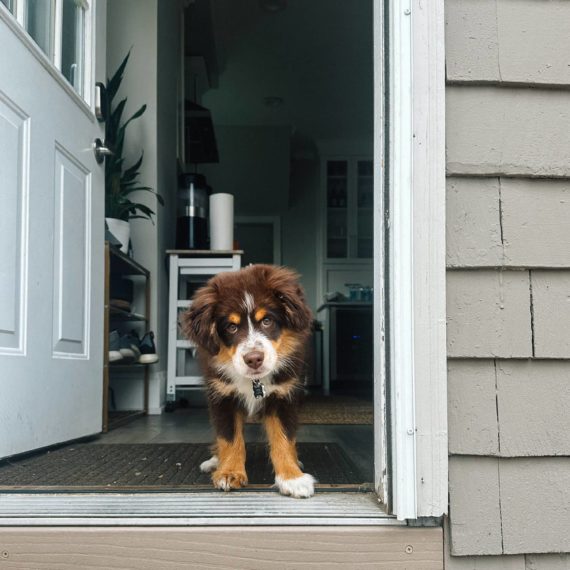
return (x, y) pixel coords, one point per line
(192, 212)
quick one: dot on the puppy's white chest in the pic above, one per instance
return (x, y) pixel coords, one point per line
(246, 391)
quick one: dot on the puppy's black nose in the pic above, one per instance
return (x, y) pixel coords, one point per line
(254, 359)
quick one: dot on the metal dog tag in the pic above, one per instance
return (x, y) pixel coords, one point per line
(258, 389)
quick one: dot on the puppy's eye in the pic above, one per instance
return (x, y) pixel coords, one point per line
(232, 328)
(266, 322)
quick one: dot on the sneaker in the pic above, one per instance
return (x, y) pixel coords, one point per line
(129, 347)
(148, 349)
(114, 347)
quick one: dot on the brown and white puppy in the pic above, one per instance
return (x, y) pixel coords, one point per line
(251, 328)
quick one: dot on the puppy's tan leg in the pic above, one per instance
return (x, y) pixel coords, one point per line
(230, 472)
(288, 476)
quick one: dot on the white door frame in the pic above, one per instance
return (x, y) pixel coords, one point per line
(410, 362)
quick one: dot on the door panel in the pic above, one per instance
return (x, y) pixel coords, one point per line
(51, 344)
(71, 239)
(14, 144)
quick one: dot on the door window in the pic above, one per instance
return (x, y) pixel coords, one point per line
(72, 43)
(59, 28)
(39, 23)
(9, 4)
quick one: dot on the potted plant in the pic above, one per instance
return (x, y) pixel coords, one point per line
(122, 182)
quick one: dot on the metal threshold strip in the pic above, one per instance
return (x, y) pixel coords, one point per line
(190, 509)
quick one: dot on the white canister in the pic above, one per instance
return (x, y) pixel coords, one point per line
(221, 222)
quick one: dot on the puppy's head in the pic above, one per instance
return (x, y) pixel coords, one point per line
(252, 322)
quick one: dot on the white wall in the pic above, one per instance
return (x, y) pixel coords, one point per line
(299, 225)
(254, 167)
(152, 31)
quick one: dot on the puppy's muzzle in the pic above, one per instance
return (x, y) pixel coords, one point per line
(254, 359)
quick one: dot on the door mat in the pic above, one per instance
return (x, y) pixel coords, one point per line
(335, 410)
(173, 466)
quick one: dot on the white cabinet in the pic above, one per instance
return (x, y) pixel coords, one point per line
(347, 235)
(348, 200)
(346, 249)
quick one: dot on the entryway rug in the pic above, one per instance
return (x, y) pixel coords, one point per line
(345, 410)
(173, 466)
(335, 410)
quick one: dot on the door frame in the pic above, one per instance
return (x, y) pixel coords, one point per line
(410, 312)
(410, 359)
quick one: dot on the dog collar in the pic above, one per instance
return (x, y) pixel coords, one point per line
(258, 388)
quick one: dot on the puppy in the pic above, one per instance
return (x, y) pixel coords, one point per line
(251, 328)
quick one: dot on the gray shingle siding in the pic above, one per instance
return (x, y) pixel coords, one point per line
(508, 283)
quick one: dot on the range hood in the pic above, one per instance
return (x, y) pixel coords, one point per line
(200, 145)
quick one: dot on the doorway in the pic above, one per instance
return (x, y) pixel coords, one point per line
(290, 89)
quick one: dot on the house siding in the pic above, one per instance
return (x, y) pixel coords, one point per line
(508, 283)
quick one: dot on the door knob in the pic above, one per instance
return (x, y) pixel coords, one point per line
(101, 151)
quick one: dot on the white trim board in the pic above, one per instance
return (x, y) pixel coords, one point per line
(413, 185)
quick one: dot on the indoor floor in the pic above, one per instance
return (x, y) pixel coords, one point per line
(163, 452)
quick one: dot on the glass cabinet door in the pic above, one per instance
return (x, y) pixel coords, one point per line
(364, 205)
(337, 209)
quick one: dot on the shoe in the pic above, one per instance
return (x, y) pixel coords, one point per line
(148, 349)
(129, 347)
(114, 347)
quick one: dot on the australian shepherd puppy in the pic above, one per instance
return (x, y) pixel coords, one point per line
(251, 328)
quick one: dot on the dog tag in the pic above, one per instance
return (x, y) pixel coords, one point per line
(258, 389)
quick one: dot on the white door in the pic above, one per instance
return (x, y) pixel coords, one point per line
(51, 223)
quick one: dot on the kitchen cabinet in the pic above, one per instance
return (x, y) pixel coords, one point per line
(348, 213)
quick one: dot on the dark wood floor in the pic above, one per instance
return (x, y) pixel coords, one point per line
(191, 425)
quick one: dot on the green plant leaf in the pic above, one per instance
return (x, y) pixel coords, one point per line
(121, 182)
(136, 115)
(132, 172)
(114, 83)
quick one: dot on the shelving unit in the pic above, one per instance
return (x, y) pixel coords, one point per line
(189, 269)
(117, 263)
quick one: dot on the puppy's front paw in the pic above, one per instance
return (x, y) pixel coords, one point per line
(226, 480)
(301, 487)
(209, 465)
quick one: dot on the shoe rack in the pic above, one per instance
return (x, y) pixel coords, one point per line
(119, 264)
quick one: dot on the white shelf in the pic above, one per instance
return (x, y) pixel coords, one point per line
(187, 267)
(189, 381)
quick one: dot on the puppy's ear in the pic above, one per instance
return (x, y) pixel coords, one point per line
(198, 323)
(285, 286)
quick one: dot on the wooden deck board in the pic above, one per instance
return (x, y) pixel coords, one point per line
(283, 548)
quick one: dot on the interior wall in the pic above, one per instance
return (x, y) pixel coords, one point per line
(299, 225)
(169, 46)
(254, 167)
(152, 33)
